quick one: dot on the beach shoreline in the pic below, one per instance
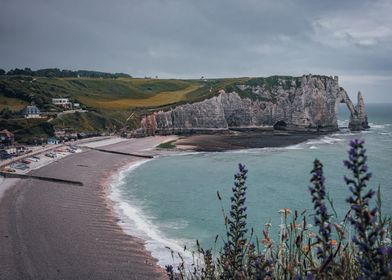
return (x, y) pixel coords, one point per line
(196, 145)
(149, 268)
(52, 231)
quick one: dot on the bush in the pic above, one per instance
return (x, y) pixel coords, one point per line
(167, 145)
(303, 252)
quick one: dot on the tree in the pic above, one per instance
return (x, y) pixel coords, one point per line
(6, 113)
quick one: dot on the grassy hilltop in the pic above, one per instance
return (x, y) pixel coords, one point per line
(109, 101)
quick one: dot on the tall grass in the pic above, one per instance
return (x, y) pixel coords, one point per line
(358, 247)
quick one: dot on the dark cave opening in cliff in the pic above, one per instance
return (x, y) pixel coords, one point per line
(280, 125)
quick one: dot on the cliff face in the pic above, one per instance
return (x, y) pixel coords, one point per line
(308, 103)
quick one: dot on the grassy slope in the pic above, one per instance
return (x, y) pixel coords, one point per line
(111, 101)
(150, 100)
(13, 104)
(101, 93)
(28, 130)
(90, 121)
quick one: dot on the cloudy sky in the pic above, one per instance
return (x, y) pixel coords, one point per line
(213, 38)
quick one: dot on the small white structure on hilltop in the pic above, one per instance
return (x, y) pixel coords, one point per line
(63, 102)
(31, 112)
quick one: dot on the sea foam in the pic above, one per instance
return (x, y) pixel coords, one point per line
(325, 140)
(135, 222)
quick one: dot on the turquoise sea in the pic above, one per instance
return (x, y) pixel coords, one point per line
(171, 201)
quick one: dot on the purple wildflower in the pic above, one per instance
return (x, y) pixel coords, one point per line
(321, 217)
(371, 259)
(234, 248)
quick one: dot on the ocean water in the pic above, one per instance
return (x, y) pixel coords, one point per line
(171, 201)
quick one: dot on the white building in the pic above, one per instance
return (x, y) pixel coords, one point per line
(63, 102)
(31, 112)
(53, 141)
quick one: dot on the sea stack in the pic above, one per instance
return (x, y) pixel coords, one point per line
(359, 120)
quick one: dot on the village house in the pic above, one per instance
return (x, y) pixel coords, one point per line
(63, 102)
(65, 134)
(31, 112)
(6, 138)
(59, 133)
(5, 153)
(53, 141)
(7, 145)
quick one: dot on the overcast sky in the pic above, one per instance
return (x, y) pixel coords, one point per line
(213, 38)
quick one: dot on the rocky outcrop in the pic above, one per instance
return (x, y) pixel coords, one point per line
(358, 119)
(307, 103)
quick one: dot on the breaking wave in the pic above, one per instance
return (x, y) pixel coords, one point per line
(134, 221)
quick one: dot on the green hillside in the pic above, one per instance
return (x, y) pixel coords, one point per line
(109, 101)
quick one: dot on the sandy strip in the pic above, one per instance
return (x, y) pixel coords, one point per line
(5, 184)
(57, 231)
(242, 140)
(103, 141)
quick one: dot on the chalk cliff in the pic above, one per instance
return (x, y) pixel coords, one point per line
(307, 103)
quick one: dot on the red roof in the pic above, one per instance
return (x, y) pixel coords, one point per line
(7, 133)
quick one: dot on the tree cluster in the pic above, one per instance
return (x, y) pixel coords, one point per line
(58, 73)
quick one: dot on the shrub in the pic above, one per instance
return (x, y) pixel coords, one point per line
(167, 145)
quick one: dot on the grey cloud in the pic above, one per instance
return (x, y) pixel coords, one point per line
(214, 38)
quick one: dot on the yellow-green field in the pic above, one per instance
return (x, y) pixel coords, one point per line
(157, 100)
(13, 104)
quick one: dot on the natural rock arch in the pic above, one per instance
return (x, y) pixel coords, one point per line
(358, 117)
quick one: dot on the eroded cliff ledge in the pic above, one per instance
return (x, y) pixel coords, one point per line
(308, 103)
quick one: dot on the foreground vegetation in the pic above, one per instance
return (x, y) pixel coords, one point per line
(359, 247)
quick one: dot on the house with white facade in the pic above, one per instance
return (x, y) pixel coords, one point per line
(63, 102)
(53, 141)
(32, 112)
